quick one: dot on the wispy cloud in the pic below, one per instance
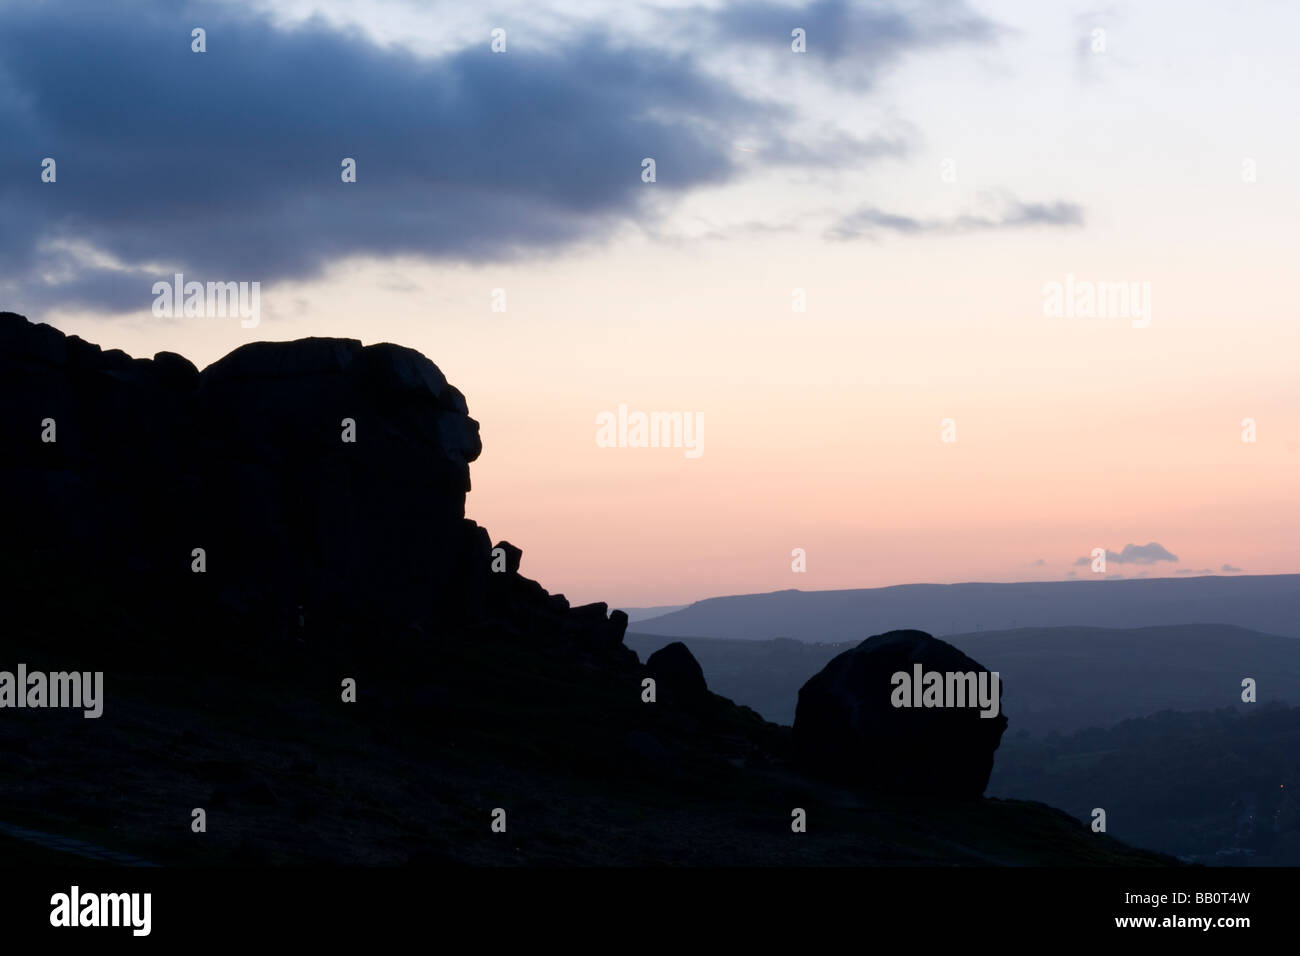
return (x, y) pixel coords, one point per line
(870, 222)
(859, 40)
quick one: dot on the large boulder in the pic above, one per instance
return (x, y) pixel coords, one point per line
(678, 675)
(858, 724)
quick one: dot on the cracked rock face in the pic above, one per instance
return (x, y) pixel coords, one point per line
(317, 473)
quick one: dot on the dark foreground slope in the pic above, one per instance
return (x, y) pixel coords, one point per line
(1218, 787)
(476, 690)
(412, 772)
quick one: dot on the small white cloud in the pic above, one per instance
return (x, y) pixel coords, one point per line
(1134, 554)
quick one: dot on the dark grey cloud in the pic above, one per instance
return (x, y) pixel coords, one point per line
(1192, 571)
(1135, 554)
(1229, 569)
(868, 222)
(225, 165)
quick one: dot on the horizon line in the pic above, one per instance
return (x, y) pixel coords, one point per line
(681, 605)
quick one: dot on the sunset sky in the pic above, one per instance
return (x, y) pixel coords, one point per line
(921, 172)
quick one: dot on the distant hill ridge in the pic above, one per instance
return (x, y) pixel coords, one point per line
(1056, 679)
(1268, 603)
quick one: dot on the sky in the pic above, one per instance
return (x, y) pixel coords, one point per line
(843, 269)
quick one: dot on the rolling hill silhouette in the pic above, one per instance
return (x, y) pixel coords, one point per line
(1066, 678)
(1267, 603)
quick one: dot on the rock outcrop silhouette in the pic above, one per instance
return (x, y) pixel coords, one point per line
(847, 727)
(324, 482)
(323, 486)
